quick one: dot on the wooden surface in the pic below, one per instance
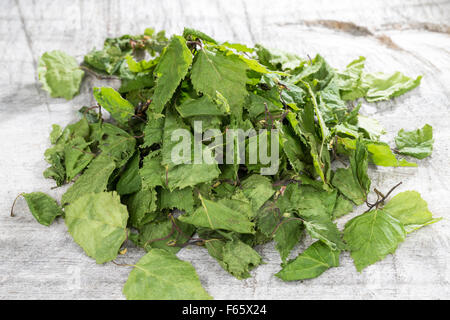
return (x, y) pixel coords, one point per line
(409, 36)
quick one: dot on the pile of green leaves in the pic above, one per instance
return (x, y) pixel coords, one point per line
(127, 187)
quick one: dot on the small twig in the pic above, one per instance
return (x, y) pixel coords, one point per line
(334, 152)
(238, 181)
(383, 198)
(378, 193)
(267, 112)
(160, 239)
(172, 219)
(167, 176)
(192, 241)
(195, 44)
(14, 203)
(283, 115)
(122, 264)
(89, 109)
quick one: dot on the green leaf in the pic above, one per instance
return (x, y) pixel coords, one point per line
(315, 210)
(258, 189)
(189, 175)
(57, 171)
(417, 143)
(171, 125)
(94, 179)
(160, 275)
(411, 210)
(234, 256)
(108, 60)
(354, 83)
(370, 127)
(276, 59)
(350, 82)
(292, 147)
(323, 128)
(311, 263)
(153, 130)
(136, 82)
(256, 106)
(181, 199)
(307, 198)
(359, 162)
(383, 86)
(140, 66)
(130, 181)
(267, 219)
(372, 236)
(142, 207)
(214, 72)
(287, 236)
(116, 143)
(195, 34)
(60, 74)
(345, 182)
(55, 134)
(43, 207)
(381, 155)
(322, 228)
(70, 152)
(97, 222)
(119, 108)
(152, 172)
(163, 234)
(203, 106)
(77, 155)
(343, 206)
(354, 182)
(171, 69)
(220, 215)
(318, 150)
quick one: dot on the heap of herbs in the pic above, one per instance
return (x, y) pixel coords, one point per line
(127, 188)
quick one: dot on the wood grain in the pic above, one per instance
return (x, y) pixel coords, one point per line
(409, 36)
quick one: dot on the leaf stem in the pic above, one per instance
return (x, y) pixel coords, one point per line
(14, 203)
(382, 199)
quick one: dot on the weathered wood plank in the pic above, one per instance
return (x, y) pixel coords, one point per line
(40, 262)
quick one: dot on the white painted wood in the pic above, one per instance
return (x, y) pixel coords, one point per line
(410, 36)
